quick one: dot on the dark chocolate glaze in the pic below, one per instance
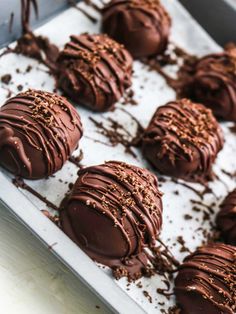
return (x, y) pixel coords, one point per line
(38, 133)
(212, 81)
(94, 71)
(143, 26)
(182, 140)
(226, 218)
(113, 212)
(206, 282)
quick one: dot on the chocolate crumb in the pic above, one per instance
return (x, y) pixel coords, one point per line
(147, 295)
(188, 217)
(20, 87)
(6, 79)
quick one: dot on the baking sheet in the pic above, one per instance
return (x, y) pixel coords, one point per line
(151, 91)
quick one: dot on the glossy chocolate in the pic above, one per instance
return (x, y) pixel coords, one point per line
(183, 140)
(113, 212)
(226, 218)
(38, 133)
(142, 26)
(212, 81)
(94, 71)
(206, 282)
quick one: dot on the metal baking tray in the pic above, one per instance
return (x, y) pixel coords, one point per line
(150, 91)
(216, 16)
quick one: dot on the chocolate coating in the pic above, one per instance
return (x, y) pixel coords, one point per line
(213, 83)
(206, 282)
(38, 133)
(143, 26)
(113, 212)
(94, 71)
(226, 218)
(182, 140)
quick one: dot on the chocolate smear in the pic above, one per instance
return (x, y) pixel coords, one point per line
(20, 183)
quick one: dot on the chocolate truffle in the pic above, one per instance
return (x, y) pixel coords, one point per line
(38, 133)
(94, 71)
(212, 81)
(113, 212)
(182, 140)
(206, 282)
(226, 218)
(143, 26)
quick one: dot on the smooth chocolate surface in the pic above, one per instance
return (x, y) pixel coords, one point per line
(94, 71)
(226, 218)
(38, 132)
(113, 212)
(212, 82)
(206, 282)
(143, 26)
(183, 140)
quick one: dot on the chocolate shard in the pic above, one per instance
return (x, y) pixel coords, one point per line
(206, 281)
(226, 218)
(94, 71)
(183, 140)
(142, 26)
(113, 212)
(38, 132)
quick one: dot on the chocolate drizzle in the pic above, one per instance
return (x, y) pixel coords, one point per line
(74, 3)
(94, 71)
(20, 183)
(226, 218)
(115, 133)
(113, 212)
(143, 26)
(206, 282)
(38, 133)
(182, 140)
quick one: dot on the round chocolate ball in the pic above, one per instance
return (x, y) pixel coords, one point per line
(212, 82)
(38, 133)
(182, 140)
(94, 71)
(113, 212)
(226, 218)
(143, 26)
(206, 282)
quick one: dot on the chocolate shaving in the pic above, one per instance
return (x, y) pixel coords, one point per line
(11, 21)
(6, 79)
(73, 3)
(77, 160)
(115, 133)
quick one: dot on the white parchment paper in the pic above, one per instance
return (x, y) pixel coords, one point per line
(151, 91)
